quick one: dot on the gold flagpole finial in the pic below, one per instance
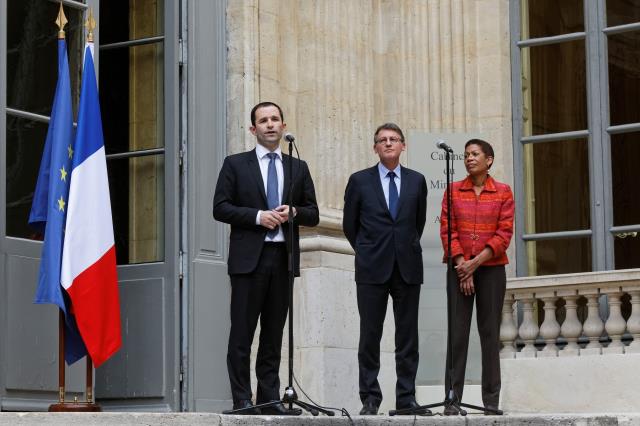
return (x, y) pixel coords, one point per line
(90, 25)
(61, 21)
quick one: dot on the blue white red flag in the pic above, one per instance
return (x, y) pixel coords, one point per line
(89, 255)
(50, 204)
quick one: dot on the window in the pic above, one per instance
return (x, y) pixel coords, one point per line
(32, 48)
(132, 101)
(576, 134)
(130, 55)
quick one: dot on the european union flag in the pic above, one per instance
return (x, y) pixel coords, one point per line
(49, 208)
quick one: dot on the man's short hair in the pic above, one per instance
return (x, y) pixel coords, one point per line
(388, 126)
(263, 105)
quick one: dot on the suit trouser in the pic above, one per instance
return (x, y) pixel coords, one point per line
(490, 285)
(372, 306)
(264, 294)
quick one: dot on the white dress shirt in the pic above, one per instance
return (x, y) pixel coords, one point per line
(263, 161)
(385, 180)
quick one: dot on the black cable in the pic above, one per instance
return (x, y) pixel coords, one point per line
(343, 411)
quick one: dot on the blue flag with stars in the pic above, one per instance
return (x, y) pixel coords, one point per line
(49, 207)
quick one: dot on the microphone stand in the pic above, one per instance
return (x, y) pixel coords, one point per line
(290, 396)
(451, 401)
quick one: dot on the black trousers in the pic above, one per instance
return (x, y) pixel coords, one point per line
(261, 294)
(372, 306)
(490, 285)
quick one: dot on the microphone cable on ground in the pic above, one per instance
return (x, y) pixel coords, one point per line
(343, 411)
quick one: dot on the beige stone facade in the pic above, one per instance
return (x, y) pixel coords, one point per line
(339, 69)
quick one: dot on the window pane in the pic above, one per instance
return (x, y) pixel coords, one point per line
(625, 151)
(32, 58)
(145, 19)
(132, 93)
(620, 12)
(557, 186)
(554, 88)
(560, 256)
(624, 77)
(25, 142)
(137, 202)
(553, 17)
(627, 250)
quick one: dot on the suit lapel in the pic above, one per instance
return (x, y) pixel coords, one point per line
(377, 188)
(254, 169)
(287, 178)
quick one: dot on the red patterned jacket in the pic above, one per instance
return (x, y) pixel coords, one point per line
(478, 222)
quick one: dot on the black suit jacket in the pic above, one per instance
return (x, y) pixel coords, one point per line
(240, 194)
(377, 239)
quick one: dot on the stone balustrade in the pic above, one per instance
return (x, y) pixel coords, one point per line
(571, 315)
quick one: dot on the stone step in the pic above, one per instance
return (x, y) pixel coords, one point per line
(211, 419)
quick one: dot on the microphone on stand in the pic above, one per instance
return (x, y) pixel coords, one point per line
(440, 144)
(289, 137)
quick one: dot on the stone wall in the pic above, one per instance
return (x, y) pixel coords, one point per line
(339, 69)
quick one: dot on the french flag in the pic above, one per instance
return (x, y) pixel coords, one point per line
(89, 256)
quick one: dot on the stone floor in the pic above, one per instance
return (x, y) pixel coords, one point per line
(209, 419)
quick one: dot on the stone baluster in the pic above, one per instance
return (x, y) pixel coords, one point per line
(508, 329)
(615, 324)
(528, 329)
(633, 324)
(593, 325)
(571, 327)
(550, 329)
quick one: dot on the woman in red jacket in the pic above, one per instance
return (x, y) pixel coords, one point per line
(481, 229)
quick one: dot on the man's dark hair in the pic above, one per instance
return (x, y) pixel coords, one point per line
(388, 126)
(485, 147)
(262, 105)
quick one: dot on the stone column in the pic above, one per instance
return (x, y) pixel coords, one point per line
(508, 329)
(615, 324)
(339, 69)
(528, 330)
(571, 328)
(550, 329)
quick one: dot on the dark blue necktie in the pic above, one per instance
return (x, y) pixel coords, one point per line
(273, 199)
(393, 195)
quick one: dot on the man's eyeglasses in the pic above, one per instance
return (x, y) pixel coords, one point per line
(392, 140)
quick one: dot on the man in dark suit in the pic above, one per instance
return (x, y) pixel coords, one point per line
(252, 196)
(384, 216)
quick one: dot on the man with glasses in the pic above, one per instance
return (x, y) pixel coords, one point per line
(384, 215)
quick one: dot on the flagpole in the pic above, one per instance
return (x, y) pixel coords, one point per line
(61, 372)
(75, 406)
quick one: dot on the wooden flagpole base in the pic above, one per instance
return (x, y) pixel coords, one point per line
(74, 407)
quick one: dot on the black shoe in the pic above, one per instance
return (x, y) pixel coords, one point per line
(451, 410)
(246, 406)
(494, 411)
(280, 410)
(413, 405)
(369, 409)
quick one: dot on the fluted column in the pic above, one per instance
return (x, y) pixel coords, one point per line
(508, 329)
(550, 329)
(571, 328)
(528, 329)
(633, 323)
(340, 68)
(615, 324)
(593, 326)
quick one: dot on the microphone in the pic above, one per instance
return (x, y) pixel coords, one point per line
(289, 137)
(442, 145)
